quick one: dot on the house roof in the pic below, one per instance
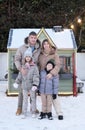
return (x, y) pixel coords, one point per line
(63, 40)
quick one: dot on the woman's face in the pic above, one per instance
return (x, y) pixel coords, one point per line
(46, 45)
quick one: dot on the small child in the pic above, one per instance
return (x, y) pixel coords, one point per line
(48, 90)
(29, 80)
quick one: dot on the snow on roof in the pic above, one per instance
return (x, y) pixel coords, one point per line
(17, 36)
(63, 40)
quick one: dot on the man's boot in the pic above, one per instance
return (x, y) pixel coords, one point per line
(19, 111)
(37, 111)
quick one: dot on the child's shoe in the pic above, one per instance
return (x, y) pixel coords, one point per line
(37, 111)
(50, 116)
(42, 115)
(24, 116)
(33, 115)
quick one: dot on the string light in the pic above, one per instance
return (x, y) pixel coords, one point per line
(72, 26)
(79, 20)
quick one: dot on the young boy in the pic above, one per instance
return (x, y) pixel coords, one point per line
(29, 80)
(48, 89)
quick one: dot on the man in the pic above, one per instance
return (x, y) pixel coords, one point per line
(33, 42)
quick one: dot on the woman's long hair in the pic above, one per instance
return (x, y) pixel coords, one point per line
(51, 47)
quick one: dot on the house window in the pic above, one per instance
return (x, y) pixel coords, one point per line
(65, 67)
(65, 63)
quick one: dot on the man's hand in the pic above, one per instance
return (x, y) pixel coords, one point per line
(23, 71)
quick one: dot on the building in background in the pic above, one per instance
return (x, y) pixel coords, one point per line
(63, 39)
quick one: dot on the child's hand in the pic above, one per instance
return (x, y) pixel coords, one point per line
(34, 88)
(54, 96)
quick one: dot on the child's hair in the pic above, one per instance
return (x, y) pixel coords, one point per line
(29, 61)
(51, 61)
(28, 52)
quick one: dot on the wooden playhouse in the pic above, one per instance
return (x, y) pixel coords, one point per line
(63, 39)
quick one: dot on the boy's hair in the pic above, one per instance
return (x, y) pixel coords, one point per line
(51, 61)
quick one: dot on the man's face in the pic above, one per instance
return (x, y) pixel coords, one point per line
(32, 39)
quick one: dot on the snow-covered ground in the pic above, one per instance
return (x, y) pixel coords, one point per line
(73, 110)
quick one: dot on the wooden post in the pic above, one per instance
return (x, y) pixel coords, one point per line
(74, 75)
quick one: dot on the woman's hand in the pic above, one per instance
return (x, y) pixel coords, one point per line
(49, 76)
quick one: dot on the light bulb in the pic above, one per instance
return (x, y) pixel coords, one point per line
(79, 20)
(72, 26)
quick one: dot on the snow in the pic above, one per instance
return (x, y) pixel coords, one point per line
(15, 41)
(73, 110)
(63, 40)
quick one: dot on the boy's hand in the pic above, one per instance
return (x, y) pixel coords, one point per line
(54, 96)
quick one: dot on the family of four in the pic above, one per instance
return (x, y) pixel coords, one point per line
(38, 66)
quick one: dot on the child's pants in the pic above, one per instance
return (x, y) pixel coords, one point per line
(57, 106)
(46, 103)
(25, 101)
(20, 98)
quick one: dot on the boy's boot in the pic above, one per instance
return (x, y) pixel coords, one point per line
(50, 116)
(42, 115)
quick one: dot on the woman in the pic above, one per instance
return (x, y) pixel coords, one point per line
(50, 52)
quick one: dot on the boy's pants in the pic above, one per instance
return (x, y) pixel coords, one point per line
(46, 103)
(57, 106)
